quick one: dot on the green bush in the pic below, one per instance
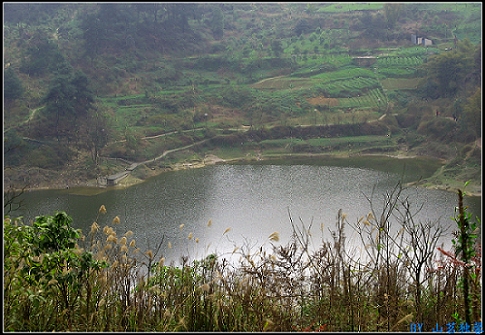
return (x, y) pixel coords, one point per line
(439, 128)
(43, 263)
(12, 86)
(55, 279)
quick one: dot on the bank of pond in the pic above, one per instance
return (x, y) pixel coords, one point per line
(300, 245)
(254, 199)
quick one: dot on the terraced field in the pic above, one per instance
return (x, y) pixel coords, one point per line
(350, 72)
(373, 98)
(399, 66)
(400, 83)
(282, 83)
(345, 7)
(334, 76)
(349, 86)
(400, 61)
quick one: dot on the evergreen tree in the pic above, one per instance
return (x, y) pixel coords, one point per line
(68, 101)
(448, 70)
(217, 24)
(12, 86)
(277, 48)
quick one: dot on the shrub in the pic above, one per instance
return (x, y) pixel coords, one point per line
(42, 263)
(438, 128)
(52, 284)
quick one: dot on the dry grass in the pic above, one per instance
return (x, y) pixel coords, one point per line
(322, 101)
(271, 288)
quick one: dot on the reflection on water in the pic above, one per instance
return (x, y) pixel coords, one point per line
(244, 204)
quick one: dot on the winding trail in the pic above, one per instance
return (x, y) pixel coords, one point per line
(31, 116)
(115, 178)
(159, 135)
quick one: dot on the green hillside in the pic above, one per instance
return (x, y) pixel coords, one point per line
(86, 83)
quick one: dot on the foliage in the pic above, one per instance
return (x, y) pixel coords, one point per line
(449, 70)
(466, 257)
(42, 55)
(256, 64)
(99, 132)
(29, 12)
(55, 279)
(439, 128)
(41, 263)
(68, 102)
(217, 23)
(391, 12)
(465, 249)
(12, 86)
(470, 119)
(277, 47)
(302, 27)
(138, 27)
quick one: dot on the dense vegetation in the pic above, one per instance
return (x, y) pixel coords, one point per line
(56, 279)
(87, 83)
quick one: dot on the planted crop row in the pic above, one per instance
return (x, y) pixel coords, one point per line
(399, 84)
(348, 87)
(373, 98)
(378, 96)
(337, 60)
(343, 74)
(411, 61)
(347, 7)
(417, 50)
(399, 72)
(359, 83)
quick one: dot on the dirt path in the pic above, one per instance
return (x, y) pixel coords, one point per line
(31, 116)
(156, 136)
(165, 153)
(264, 80)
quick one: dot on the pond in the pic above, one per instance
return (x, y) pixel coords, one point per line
(217, 208)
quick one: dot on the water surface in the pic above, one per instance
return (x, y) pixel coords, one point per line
(226, 206)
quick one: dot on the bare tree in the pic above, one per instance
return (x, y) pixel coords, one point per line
(12, 199)
(416, 247)
(410, 247)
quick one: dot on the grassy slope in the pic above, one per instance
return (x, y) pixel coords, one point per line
(322, 72)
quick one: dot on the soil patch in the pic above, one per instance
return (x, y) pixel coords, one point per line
(321, 100)
(211, 159)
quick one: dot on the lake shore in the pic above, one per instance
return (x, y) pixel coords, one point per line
(437, 181)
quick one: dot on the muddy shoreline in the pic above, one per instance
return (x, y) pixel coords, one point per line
(65, 181)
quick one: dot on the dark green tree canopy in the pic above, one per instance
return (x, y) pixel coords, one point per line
(42, 56)
(68, 101)
(111, 27)
(277, 47)
(449, 70)
(303, 27)
(217, 23)
(12, 86)
(69, 94)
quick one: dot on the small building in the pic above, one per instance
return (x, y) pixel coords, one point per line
(115, 179)
(414, 39)
(421, 40)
